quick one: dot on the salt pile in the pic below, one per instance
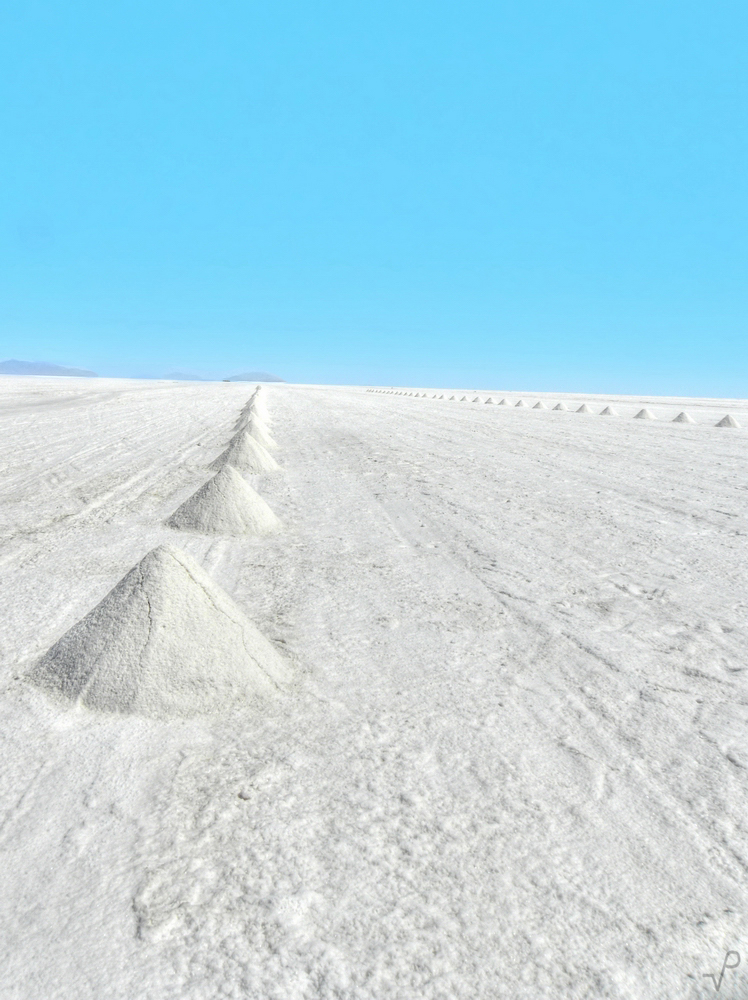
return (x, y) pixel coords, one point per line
(257, 429)
(539, 405)
(727, 421)
(250, 402)
(166, 641)
(490, 400)
(225, 505)
(608, 412)
(520, 403)
(560, 406)
(246, 454)
(503, 402)
(584, 409)
(477, 399)
(259, 411)
(241, 423)
(644, 414)
(255, 406)
(683, 418)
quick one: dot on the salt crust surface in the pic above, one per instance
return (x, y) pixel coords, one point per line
(513, 761)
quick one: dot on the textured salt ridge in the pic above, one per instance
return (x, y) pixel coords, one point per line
(166, 641)
(226, 505)
(246, 454)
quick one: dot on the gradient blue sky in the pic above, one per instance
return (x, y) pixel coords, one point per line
(540, 195)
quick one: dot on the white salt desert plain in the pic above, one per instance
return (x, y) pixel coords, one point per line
(451, 704)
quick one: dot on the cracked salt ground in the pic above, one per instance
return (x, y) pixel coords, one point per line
(511, 764)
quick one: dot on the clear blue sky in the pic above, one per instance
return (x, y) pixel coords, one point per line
(537, 194)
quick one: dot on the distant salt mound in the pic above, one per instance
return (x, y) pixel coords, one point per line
(255, 407)
(452, 398)
(490, 400)
(252, 414)
(539, 405)
(608, 412)
(259, 410)
(166, 641)
(463, 399)
(683, 418)
(258, 430)
(257, 394)
(477, 399)
(246, 454)
(503, 402)
(584, 409)
(560, 406)
(727, 421)
(225, 505)
(520, 402)
(644, 414)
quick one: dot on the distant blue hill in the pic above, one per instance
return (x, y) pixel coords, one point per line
(254, 377)
(14, 367)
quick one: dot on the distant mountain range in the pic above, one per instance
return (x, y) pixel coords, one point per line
(14, 367)
(254, 377)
